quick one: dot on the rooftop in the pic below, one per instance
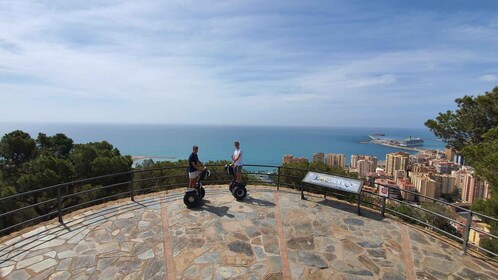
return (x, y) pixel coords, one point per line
(270, 235)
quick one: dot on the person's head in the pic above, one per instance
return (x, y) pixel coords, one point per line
(236, 144)
(195, 149)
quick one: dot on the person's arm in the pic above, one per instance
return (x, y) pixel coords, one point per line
(238, 157)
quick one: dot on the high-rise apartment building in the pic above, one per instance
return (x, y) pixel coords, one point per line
(406, 185)
(424, 185)
(473, 188)
(423, 168)
(335, 160)
(445, 166)
(449, 154)
(318, 157)
(363, 164)
(445, 184)
(400, 174)
(396, 161)
(364, 167)
(459, 176)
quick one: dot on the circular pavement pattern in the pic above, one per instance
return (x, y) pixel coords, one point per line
(270, 235)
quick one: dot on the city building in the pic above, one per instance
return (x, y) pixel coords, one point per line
(369, 162)
(445, 184)
(400, 174)
(396, 161)
(474, 188)
(335, 160)
(445, 166)
(449, 153)
(406, 185)
(423, 168)
(424, 185)
(364, 167)
(318, 157)
(476, 236)
(459, 176)
(291, 159)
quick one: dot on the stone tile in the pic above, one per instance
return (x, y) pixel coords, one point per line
(146, 255)
(240, 247)
(66, 254)
(111, 273)
(154, 269)
(28, 262)
(271, 245)
(6, 270)
(60, 275)
(43, 275)
(38, 267)
(312, 260)
(193, 272)
(18, 275)
(208, 258)
(64, 264)
(230, 272)
(83, 262)
(50, 244)
(207, 273)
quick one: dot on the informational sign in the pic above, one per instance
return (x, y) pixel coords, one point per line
(383, 191)
(334, 182)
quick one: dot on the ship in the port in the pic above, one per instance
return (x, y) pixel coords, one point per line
(411, 142)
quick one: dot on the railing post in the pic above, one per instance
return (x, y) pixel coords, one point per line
(278, 179)
(383, 209)
(132, 192)
(359, 203)
(59, 204)
(467, 232)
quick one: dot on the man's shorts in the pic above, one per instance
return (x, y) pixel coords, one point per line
(192, 175)
(237, 169)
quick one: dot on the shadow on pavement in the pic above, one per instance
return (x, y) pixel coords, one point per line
(257, 201)
(220, 211)
(367, 213)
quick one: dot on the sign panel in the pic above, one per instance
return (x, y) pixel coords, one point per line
(383, 191)
(333, 182)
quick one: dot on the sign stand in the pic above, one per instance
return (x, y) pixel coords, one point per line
(334, 182)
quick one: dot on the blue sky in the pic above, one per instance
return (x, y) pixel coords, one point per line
(317, 63)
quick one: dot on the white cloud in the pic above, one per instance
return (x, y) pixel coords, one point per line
(488, 78)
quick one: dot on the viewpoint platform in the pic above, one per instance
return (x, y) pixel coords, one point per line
(270, 235)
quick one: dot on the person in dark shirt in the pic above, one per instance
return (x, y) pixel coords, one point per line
(193, 166)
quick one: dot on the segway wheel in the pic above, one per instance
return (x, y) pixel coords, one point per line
(239, 192)
(202, 192)
(190, 199)
(232, 186)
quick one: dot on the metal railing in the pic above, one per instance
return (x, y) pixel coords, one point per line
(83, 193)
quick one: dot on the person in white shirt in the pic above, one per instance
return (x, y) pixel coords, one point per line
(237, 161)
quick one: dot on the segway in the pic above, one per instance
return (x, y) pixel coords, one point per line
(193, 196)
(238, 190)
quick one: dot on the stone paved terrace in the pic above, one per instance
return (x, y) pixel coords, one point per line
(270, 235)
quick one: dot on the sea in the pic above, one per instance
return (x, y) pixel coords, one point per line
(261, 145)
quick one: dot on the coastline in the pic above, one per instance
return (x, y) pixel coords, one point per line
(420, 150)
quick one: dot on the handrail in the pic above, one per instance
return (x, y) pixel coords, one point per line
(294, 182)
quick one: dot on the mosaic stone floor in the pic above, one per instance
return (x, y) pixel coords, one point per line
(269, 235)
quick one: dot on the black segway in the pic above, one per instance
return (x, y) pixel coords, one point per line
(193, 196)
(238, 190)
